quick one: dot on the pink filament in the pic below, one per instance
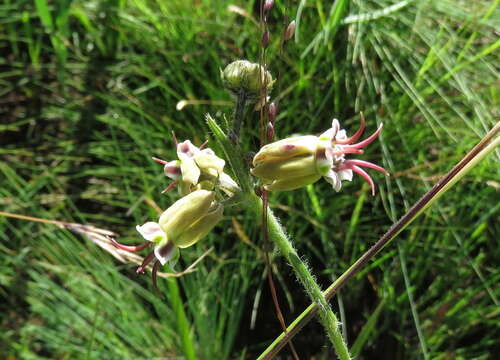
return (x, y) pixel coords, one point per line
(349, 163)
(145, 262)
(363, 174)
(175, 138)
(163, 162)
(369, 139)
(169, 187)
(130, 248)
(348, 150)
(203, 145)
(356, 135)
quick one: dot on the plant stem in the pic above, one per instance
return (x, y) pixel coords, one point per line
(278, 236)
(233, 156)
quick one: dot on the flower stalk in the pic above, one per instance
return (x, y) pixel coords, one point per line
(278, 236)
(239, 109)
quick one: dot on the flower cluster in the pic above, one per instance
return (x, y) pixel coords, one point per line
(298, 161)
(200, 174)
(282, 165)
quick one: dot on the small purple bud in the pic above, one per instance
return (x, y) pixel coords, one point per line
(272, 112)
(268, 5)
(265, 39)
(290, 31)
(270, 131)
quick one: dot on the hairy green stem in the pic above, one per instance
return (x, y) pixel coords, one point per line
(238, 115)
(233, 156)
(278, 236)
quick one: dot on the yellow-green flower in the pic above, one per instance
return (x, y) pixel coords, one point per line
(299, 161)
(183, 224)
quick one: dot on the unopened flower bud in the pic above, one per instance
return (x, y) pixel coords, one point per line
(268, 5)
(290, 31)
(244, 76)
(265, 39)
(272, 112)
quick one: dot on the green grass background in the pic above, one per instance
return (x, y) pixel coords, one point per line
(88, 93)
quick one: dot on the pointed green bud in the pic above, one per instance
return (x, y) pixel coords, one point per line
(244, 76)
(184, 212)
(199, 229)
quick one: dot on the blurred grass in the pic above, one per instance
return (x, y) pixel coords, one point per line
(88, 93)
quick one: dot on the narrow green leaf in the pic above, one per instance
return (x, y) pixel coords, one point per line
(367, 330)
(44, 14)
